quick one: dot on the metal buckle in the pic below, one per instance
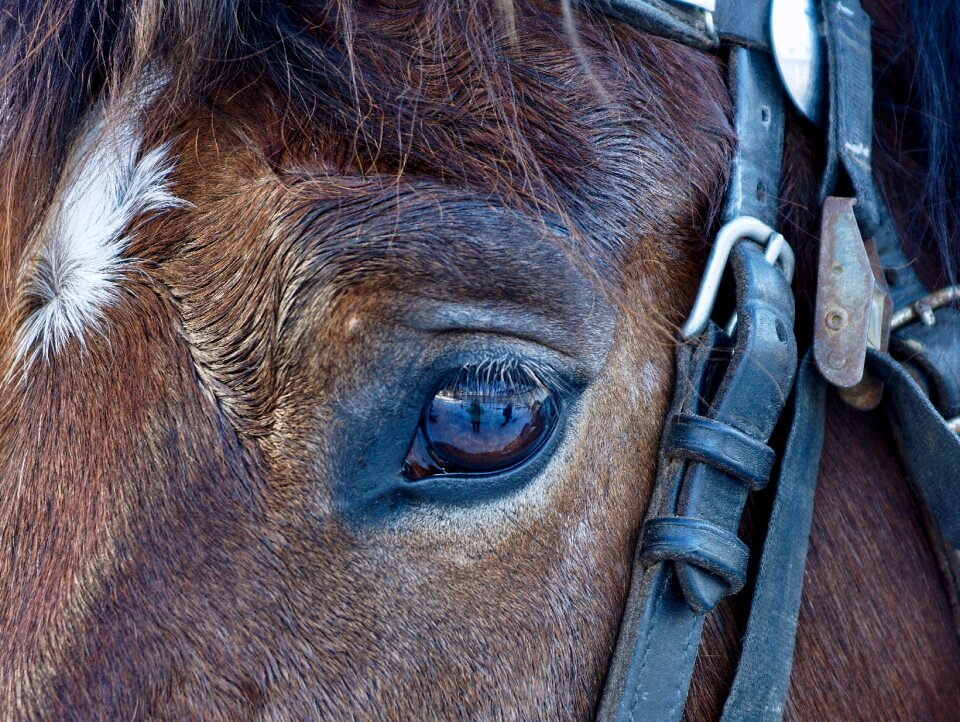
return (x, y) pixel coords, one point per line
(739, 229)
(853, 304)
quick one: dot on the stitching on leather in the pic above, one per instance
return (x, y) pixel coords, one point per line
(646, 647)
(678, 697)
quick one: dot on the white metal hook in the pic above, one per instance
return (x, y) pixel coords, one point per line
(740, 228)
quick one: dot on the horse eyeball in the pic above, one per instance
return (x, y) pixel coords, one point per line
(480, 431)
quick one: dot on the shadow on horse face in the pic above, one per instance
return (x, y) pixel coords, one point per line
(210, 512)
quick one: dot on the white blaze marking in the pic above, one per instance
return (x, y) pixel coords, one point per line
(81, 254)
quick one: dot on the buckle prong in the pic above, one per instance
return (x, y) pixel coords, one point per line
(739, 229)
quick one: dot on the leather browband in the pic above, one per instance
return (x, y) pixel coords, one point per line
(684, 23)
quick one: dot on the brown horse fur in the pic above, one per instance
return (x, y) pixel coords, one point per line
(180, 536)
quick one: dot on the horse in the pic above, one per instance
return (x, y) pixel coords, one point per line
(257, 260)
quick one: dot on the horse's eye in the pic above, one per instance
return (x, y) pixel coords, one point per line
(481, 427)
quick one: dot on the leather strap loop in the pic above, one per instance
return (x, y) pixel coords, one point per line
(699, 543)
(722, 446)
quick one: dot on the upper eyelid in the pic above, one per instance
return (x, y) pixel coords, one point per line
(507, 370)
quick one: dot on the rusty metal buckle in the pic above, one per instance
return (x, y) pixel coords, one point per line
(743, 228)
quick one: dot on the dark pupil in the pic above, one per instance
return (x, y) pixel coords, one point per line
(477, 432)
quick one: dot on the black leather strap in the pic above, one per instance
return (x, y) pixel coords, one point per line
(902, 280)
(760, 687)
(712, 449)
(694, 560)
(850, 128)
(683, 23)
(932, 353)
(693, 362)
(759, 122)
(744, 23)
(850, 140)
(929, 449)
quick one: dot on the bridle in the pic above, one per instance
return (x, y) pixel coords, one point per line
(880, 337)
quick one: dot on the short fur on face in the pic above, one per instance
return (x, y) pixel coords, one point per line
(209, 534)
(323, 213)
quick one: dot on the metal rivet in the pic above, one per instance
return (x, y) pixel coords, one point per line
(837, 361)
(836, 318)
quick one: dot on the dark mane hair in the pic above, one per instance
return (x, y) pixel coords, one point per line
(58, 59)
(936, 44)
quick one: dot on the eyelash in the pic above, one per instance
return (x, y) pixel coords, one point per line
(507, 374)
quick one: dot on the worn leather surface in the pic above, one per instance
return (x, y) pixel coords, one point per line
(659, 634)
(850, 140)
(929, 449)
(689, 557)
(721, 446)
(759, 124)
(850, 127)
(931, 453)
(932, 353)
(744, 22)
(682, 23)
(759, 690)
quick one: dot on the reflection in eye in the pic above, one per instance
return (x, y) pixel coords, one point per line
(484, 420)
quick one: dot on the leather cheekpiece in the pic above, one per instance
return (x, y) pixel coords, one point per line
(689, 557)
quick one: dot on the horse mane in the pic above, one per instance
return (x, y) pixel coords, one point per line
(424, 87)
(936, 48)
(58, 60)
